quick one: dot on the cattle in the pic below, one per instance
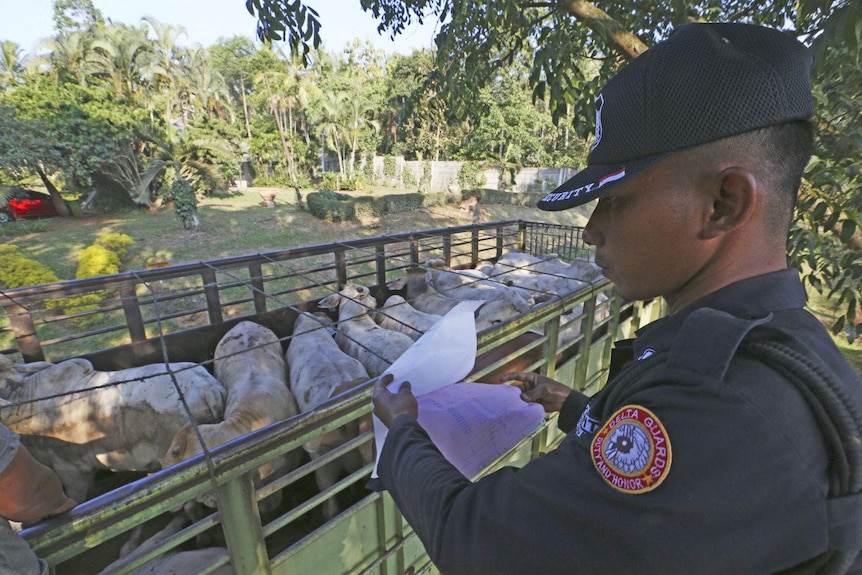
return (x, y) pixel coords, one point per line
(359, 336)
(119, 420)
(469, 284)
(319, 371)
(544, 276)
(398, 315)
(173, 562)
(422, 295)
(249, 362)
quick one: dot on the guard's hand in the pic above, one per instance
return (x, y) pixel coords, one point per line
(388, 405)
(536, 388)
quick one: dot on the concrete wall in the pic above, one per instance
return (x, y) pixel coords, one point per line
(444, 173)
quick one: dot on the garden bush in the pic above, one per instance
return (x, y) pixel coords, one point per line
(17, 270)
(331, 206)
(117, 243)
(490, 196)
(97, 260)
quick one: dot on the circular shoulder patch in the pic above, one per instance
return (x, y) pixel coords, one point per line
(632, 450)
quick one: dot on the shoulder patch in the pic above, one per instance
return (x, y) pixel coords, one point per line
(632, 451)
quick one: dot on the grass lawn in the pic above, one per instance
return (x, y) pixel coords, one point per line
(231, 225)
(238, 224)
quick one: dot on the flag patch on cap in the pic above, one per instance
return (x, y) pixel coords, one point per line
(632, 450)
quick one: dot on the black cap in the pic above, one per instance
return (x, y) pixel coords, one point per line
(704, 83)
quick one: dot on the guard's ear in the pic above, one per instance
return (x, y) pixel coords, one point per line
(733, 198)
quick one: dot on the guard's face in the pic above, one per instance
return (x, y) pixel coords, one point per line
(646, 233)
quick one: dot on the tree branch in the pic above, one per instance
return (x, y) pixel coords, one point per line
(624, 42)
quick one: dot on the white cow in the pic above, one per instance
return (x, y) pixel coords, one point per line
(319, 371)
(250, 364)
(469, 284)
(398, 315)
(120, 420)
(359, 336)
(422, 295)
(172, 562)
(545, 276)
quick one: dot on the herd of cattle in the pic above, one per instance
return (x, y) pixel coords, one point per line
(78, 420)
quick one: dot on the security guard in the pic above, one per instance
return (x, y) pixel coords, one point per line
(729, 437)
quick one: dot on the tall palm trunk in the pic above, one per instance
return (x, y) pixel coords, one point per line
(59, 203)
(245, 106)
(285, 145)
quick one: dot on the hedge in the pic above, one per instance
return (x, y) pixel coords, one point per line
(17, 270)
(97, 260)
(490, 196)
(335, 207)
(115, 242)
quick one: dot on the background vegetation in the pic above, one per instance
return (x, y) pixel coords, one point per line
(129, 111)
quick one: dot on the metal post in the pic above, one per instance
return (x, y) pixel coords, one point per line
(255, 273)
(132, 311)
(240, 521)
(211, 292)
(25, 333)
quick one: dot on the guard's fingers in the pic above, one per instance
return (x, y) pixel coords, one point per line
(405, 386)
(380, 387)
(514, 375)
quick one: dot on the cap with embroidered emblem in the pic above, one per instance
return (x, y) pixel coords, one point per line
(704, 83)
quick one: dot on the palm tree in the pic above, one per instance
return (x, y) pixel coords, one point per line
(206, 88)
(176, 155)
(358, 117)
(63, 57)
(167, 65)
(330, 128)
(120, 57)
(11, 64)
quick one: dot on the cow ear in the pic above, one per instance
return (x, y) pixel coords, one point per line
(330, 301)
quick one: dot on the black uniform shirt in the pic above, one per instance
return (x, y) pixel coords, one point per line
(736, 482)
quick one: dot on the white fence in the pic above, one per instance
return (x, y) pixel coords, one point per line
(409, 174)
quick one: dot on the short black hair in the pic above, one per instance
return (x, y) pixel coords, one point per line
(782, 152)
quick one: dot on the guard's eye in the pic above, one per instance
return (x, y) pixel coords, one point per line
(609, 201)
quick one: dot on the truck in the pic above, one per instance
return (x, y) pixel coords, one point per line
(179, 313)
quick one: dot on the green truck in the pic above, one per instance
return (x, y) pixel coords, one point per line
(179, 313)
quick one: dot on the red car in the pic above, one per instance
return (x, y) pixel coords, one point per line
(20, 203)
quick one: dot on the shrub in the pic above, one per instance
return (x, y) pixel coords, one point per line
(368, 172)
(97, 260)
(409, 178)
(182, 195)
(395, 203)
(330, 206)
(468, 175)
(116, 243)
(489, 196)
(17, 270)
(425, 180)
(389, 166)
(331, 181)
(366, 207)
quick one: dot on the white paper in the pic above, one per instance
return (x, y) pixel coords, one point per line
(471, 427)
(472, 424)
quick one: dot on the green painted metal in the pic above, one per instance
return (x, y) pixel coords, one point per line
(370, 536)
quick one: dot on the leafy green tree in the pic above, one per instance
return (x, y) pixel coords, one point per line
(120, 57)
(76, 16)
(232, 58)
(63, 131)
(63, 58)
(176, 155)
(476, 40)
(11, 64)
